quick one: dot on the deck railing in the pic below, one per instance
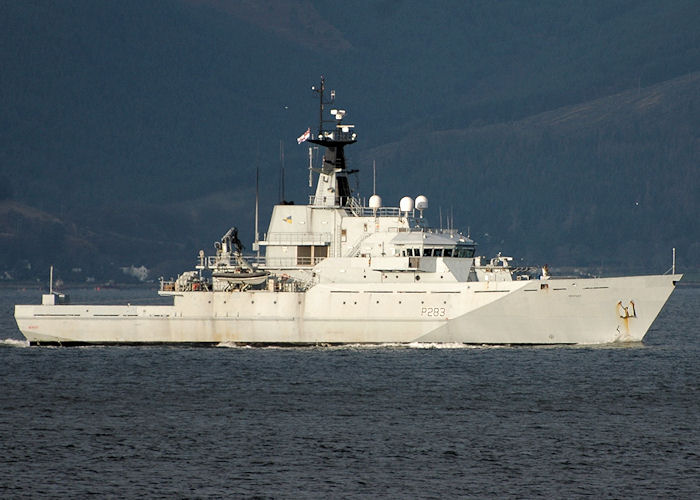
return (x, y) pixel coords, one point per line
(280, 238)
(290, 262)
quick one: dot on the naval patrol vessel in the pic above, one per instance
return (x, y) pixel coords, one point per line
(343, 271)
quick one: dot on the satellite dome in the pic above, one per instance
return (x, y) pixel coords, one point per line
(375, 201)
(406, 204)
(421, 202)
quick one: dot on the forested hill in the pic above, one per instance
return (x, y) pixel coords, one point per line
(618, 173)
(560, 132)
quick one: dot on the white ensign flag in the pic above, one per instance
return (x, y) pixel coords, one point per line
(303, 137)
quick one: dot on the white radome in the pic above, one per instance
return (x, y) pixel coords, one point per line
(406, 204)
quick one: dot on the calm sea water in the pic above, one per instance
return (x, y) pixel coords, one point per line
(352, 422)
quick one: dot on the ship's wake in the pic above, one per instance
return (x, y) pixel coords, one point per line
(14, 343)
(386, 345)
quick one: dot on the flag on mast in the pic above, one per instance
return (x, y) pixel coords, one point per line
(303, 137)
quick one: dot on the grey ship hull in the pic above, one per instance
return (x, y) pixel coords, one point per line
(554, 311)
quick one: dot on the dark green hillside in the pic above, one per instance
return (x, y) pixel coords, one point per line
(131, 100)
(139, 125)
(612, 181)
(486, 62)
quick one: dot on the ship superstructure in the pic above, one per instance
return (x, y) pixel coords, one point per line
(339, 270)
(338, 238)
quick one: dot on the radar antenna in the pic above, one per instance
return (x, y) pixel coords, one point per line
(320, 90)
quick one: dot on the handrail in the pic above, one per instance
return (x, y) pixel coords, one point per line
(356, 248)
(290, 262)
(358, 209)
(296, 238)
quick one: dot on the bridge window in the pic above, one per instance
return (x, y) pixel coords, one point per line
(464, 252)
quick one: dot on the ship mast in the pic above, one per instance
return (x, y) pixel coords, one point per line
(256, 245)
(333, 188)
